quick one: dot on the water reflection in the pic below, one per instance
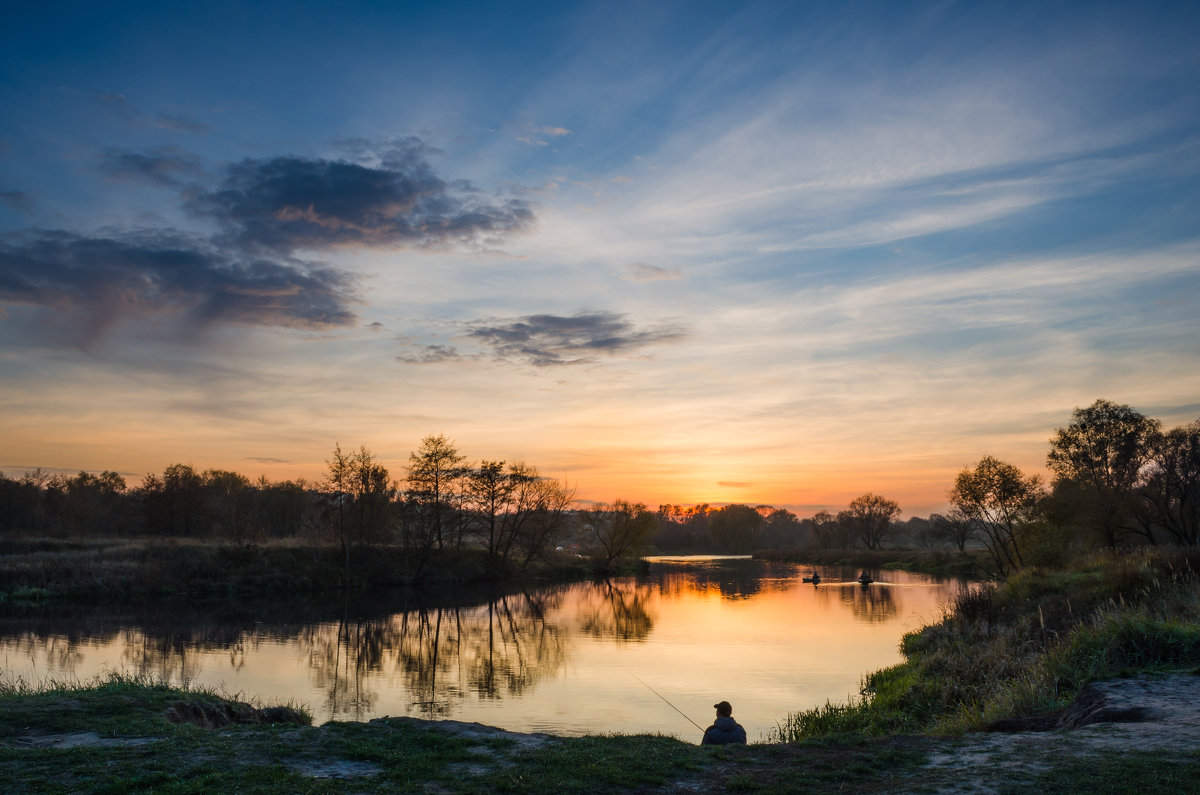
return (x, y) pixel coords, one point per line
(553, 659)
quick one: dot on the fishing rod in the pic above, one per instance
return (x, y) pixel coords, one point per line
(664, 698)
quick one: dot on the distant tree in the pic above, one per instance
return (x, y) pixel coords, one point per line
(373, 495)
(95, 504)
(783, 530)
(622, 529)
(434, 474)
(1170, 494)
(174, 503)
(1105, 449)
(735, 528)
(339, 498)
(229, 503)
(1002, 504)
(954, 528)
(872, 517)
(827, 531)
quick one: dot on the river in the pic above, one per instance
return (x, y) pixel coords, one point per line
(627, 655)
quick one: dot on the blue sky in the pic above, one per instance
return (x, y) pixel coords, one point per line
(677, 252)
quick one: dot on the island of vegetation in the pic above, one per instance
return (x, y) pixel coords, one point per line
(1072, 664)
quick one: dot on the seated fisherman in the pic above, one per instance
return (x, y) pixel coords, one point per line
(725, 730)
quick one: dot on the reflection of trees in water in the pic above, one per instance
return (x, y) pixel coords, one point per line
(442, 654)
(618, 610)
(733, 579)
(874, 603)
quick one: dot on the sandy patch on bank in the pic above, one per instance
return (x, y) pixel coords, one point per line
(1146, 713)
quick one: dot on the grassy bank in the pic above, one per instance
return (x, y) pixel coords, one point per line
(115, 735)
(938, 562)
(113, 570)
(1024, 648)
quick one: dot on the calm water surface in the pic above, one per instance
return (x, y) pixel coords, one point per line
(564, 660)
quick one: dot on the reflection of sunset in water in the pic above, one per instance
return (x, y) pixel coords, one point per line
(566, 660)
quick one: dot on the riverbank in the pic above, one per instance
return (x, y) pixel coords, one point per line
(122, 735)
(1021, 650)
(49, 570)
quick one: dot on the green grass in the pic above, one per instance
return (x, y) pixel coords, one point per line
(147, 753)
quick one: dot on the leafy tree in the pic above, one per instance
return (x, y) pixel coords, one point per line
(1171, 492)
(735, 528)
(1001, 503)
(783, 530)
(229, 500)
(872, 518)
(174, 504)
(827, 531)
(622, 529)
(1105, 449)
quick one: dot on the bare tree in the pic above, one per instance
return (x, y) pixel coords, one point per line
(621, 529)
(872, 517)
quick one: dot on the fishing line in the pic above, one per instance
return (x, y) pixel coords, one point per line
(664, 698)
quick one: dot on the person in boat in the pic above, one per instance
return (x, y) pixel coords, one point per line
(864, 578)
(725, 730)
(814, 579)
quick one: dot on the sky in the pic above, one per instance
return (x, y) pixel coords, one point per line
(781, 253)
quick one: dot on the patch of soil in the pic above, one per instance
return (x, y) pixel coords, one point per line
(334, 768)
(77, 740)
(1145, 713)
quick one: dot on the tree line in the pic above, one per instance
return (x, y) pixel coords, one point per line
(1118, 479)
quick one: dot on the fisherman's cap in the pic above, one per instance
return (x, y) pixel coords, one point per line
(723, 706)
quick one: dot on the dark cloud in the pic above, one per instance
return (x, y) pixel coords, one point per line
(554, 339)
(95, 282)
(265, 460)
(164, 166)
(18, 200)
(289, 203)
(431, 354)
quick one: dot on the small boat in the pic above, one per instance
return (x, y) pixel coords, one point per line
(865, 579)
(815, 579)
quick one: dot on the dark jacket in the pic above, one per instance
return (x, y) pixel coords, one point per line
(725, 731)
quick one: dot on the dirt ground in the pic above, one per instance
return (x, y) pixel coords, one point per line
(1119, 716)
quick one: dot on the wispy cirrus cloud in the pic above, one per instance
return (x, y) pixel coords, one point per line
(165, 166)
(644, 272)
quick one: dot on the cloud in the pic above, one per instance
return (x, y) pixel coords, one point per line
(267, 460)
(18, 200)
(431, 354)
(545, 340)
(643, 272)
(288, 203)
(163, 166)
(538, 135)
(96, 282)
